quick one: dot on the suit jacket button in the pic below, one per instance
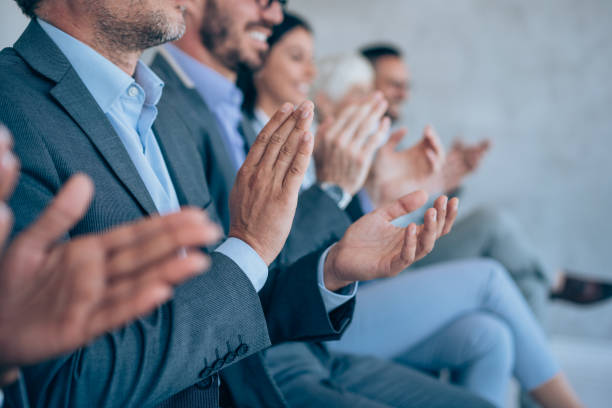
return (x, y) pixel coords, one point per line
(206, 372)
(217, 365)
(242, 349)
(205, 383)
(229, 357)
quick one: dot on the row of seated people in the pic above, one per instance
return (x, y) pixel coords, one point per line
(270, 315)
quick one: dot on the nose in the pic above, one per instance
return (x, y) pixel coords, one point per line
(273, 15)
(311, 71)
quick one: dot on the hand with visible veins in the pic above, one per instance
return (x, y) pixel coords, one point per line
(345, 148)
(264, 197)
(397, 173)
(374, 248)
(57, 296)
(461, 161)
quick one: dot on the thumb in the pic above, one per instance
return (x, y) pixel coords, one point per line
(404, 205)
(395, 138)
(66, 209)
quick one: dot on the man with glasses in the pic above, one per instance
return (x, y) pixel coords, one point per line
(200, 70)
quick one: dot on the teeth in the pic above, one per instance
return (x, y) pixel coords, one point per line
(259, 36)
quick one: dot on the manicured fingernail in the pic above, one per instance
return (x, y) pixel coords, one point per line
(307, 136)
(286, 107)
(412, 229)
(435, 215)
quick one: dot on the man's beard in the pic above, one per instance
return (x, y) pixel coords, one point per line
(216, 37)
(140, 31)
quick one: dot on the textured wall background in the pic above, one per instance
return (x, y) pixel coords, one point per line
(531, 75)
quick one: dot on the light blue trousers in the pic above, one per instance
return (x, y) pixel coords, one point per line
(467, 316)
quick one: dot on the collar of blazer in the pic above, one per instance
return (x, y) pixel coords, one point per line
(44, 57)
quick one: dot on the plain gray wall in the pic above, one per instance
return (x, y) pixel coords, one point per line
(531, 75)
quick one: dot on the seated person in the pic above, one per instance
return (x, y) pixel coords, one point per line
(78, 100)
(57, 297)
(486, 232)
(471, 317)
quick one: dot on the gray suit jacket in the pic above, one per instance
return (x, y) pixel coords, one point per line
(213, 321)
(318, 223)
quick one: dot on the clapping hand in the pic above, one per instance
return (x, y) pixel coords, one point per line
(264, 198)
(374, 248)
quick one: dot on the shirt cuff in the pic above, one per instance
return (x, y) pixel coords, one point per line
(247, 259)
(333, 300)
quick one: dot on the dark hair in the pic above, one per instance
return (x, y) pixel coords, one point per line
(28, 7)
(375, 51)
(245, 80)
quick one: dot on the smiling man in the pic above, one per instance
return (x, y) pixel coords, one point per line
(200, 71)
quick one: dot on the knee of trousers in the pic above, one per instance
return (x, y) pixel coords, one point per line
(490, 339)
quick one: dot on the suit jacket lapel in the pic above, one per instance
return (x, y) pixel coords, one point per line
(180, 154)
(73, 96)
(171, 73)
(248, 132)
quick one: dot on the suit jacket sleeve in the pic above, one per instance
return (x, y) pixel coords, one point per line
(213, 320)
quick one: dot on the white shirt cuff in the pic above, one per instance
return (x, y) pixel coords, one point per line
(333, 300)
(247, 259)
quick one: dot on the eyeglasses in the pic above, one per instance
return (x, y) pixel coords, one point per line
(264, 4)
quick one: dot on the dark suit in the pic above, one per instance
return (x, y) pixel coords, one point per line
(308, 372)
(213, 321)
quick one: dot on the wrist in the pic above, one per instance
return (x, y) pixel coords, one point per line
(341, 196)
(332, 282)
(263, 254)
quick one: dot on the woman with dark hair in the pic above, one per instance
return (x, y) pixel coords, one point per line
(467, 316)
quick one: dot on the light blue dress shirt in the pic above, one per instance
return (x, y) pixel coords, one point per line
(130, 106)
(222, 97)
(225, 100)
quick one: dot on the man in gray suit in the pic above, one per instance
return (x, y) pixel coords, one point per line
(77, 284)
(99, 111)
(192, 74)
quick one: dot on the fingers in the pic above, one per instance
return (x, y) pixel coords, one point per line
(9, 165)
(137, 295)
(66, 209)
(166, 243)
(377, 139)
(428, 234)
(451, 215)
(404, 205)
(259, 146)
(440, 205)
(370, 123)
(290, 131)
(361, 118)
(295, 175)
(410, 246)
(140, 301)
(395, 139)
(130, 234)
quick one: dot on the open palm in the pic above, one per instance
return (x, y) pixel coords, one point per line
(375, 248)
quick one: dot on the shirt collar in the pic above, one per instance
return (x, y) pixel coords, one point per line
(214, 88)
(104, 80)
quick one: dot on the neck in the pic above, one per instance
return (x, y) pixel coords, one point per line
(267, 104)
(84, 30)
(191, 44)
